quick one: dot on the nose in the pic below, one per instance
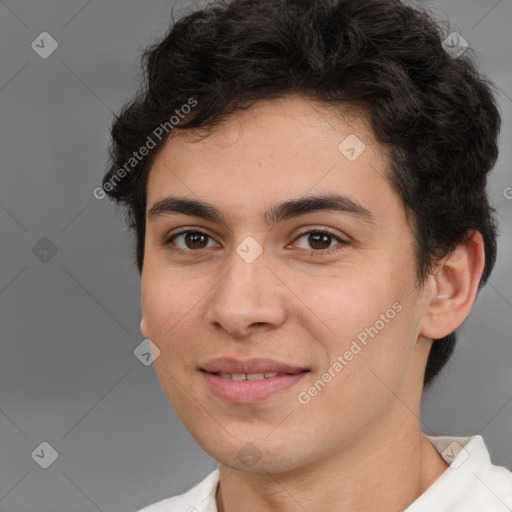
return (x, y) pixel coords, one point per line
(248, 298)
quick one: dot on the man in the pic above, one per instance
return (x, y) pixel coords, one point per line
(306, 181)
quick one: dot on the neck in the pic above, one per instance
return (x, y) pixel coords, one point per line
(386, 470)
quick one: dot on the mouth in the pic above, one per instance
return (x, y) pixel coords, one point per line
(249, 376)
(250, 366)
(250, 381)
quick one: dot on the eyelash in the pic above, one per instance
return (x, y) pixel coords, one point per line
(312, 252)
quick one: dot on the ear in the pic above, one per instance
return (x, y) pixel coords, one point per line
(453, 287)
(143, 329)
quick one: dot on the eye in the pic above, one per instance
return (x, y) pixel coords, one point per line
(320, 240)
(191, 240)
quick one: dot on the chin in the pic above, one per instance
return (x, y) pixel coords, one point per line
(269, 464)
(255, 458)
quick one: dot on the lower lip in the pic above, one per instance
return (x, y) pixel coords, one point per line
(244, 392)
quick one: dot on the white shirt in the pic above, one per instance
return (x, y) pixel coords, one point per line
(471, 484)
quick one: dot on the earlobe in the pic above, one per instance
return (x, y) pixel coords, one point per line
(143, 329)
(454, 286)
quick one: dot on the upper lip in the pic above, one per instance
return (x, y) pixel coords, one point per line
(252, 365)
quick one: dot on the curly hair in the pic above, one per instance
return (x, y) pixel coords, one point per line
(435, 112)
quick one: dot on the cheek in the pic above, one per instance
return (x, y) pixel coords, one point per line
(383, 366)
(346, 304)
(368, 316)
(161, 308)
(166, 324)
(169, 310)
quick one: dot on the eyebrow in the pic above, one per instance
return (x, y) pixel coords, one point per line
(277, 213)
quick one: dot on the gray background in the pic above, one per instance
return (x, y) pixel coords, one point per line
(69, 321)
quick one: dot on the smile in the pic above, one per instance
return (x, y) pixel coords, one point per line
(250, 388)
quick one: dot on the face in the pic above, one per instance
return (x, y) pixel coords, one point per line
(315, 300)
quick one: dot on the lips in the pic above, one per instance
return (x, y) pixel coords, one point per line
(232, 366)
(250, 381)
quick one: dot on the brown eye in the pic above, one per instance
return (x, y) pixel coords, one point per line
(189, 240)
(195, 240)
(319, 240)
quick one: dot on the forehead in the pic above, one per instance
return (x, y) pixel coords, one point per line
(276, 150)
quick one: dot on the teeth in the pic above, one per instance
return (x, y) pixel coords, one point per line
(248, 376)
(255, 376)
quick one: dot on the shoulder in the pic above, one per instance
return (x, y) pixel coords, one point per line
(200, 498)
(497, 486)
(472, 483)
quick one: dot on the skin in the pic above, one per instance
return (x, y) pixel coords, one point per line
(358, 444)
